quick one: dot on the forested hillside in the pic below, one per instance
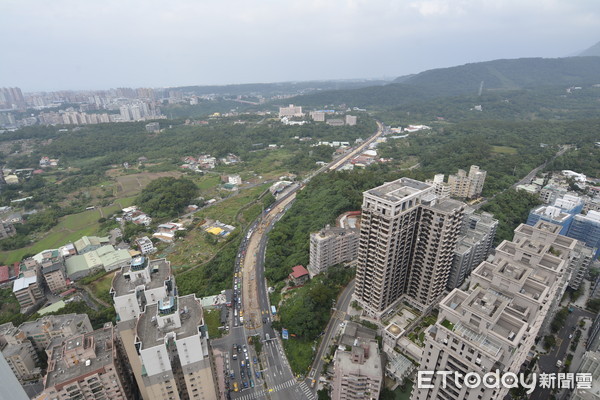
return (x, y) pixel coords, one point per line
(504, 75)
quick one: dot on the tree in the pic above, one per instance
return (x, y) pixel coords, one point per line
(166, 197)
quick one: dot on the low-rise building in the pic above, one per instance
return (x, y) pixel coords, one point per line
(105, 257)
(90, 243)
(299, 275)
(153, 127)
(28, 291)
(335, 122)
(145, 245)
(290, 111)
(54, 275)
(7, 229)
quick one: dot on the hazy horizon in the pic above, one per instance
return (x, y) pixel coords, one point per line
(72, 45)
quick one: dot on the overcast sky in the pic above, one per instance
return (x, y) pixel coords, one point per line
(99, 44)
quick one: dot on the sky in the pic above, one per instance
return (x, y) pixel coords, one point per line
(93, 44)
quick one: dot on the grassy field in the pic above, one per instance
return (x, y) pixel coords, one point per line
(129, 185)
(101, 287)
(70, 228)
(227, 209)
(504, 150)
(300, 354)
(213, 321)
(198, 246)
(208, 182)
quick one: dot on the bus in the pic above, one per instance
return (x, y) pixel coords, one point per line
(273, 311)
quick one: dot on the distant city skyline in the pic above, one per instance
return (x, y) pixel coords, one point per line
(72, 45)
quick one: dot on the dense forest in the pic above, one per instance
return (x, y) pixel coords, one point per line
(167, 197)
(506, 150)
(106, 144)
(498, 75)
(318, 204)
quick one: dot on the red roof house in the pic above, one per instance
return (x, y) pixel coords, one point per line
(4, 275)
(299, 275)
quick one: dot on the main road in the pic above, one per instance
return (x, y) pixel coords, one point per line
(268, 374)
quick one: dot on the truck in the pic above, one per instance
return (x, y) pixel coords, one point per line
(273, 310)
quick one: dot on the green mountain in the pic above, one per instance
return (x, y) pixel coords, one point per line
(593, 51)
(510, 74)
(523, 73)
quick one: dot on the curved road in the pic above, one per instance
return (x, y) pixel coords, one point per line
(270, 376)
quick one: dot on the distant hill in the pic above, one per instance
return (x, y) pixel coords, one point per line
(523, 73)
(510, 74)
(593, 51)
(278, 88)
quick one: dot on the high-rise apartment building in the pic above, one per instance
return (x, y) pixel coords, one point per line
(590, 364)
(136, 285)
(331, 246)
(580, 262)
(163, 335)
(587, 229)
(493, 325)
(407, 241)
(87, 366)
(178, 365)
(23, 360)
(467, 186)
(358, 373)
(10, 388)
(11, 97)
(474, 244)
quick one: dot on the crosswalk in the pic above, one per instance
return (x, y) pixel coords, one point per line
(309, 395)
(261, 393)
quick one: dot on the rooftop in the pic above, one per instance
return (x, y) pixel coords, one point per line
(372, 361)
(447, 205)
(159, 272)
(190, 314)
(52, 323)
(399, 189)
(4, 274)
(60, 372)
(299, 271)
(23, 283)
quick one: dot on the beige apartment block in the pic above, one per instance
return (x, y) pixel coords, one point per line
(87, 366)
(493, 325)
(358, 372)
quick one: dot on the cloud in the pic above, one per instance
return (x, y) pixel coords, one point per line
(86, 44)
